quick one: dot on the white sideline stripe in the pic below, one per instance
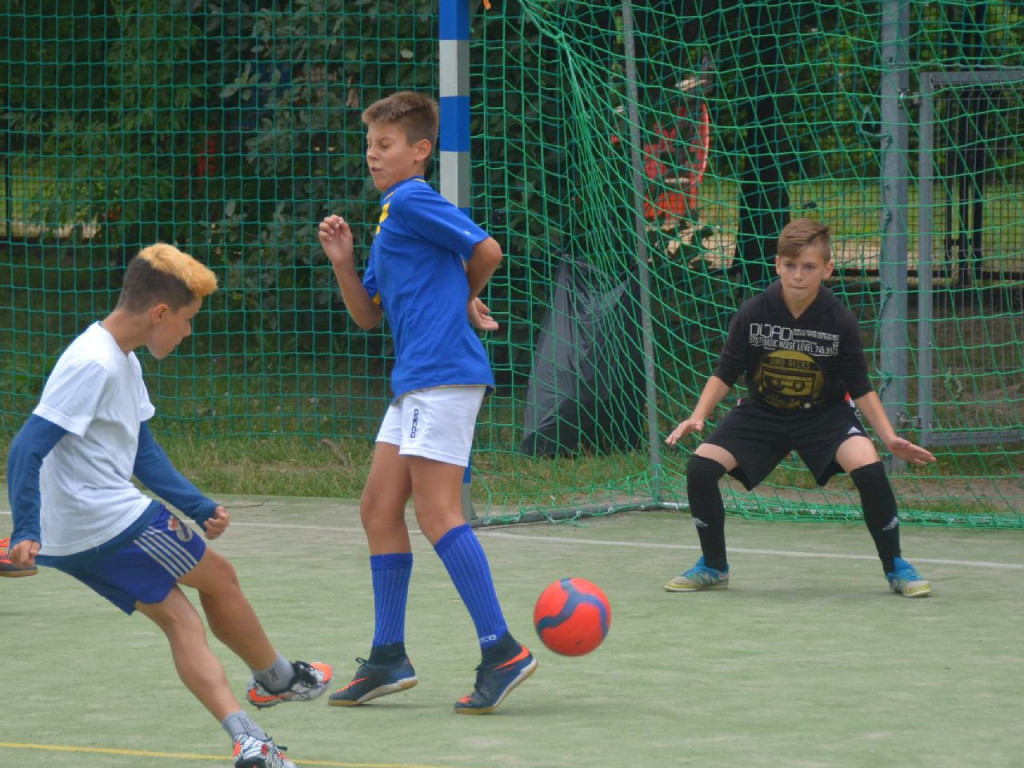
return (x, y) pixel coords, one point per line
(749, 551)
(654, 545)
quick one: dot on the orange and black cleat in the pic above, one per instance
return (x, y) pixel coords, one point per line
(494, 683)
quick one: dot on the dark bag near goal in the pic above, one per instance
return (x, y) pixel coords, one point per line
(586, 383)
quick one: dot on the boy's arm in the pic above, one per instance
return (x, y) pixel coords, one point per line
(870, 405)
(28, 449)
(714, 390)
(482, 264)
(156, 472)
(336, 239)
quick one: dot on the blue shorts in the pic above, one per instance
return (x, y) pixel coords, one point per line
(146, 569)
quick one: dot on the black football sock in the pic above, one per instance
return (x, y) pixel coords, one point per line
(880, 514)
(389, 653)
(505, 648)
(707, 508)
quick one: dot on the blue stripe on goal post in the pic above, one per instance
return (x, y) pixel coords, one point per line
(453, 35)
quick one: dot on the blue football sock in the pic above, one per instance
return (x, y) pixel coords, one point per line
(391, 574)
(464, 558)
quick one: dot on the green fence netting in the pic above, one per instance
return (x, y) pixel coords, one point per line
(636, 161)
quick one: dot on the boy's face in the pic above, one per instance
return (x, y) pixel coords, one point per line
(802, 275)
(390, 156)
(170, 327)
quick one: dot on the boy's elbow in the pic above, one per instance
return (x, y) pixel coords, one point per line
(367, 320)
(490, 251)
(498, 256)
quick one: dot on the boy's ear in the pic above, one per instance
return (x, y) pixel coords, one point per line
(159, 312)
(423, 149)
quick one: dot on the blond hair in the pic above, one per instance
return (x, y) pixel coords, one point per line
(800, 233)
(415, 113)
(163, 274)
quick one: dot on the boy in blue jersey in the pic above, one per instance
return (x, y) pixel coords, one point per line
(801, 353)
(76, 509)
(428, 264)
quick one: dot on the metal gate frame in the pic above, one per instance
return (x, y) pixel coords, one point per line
(928, 436)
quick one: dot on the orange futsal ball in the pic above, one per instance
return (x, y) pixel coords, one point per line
(572, 616)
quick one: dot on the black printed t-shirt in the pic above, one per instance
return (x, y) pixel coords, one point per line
(795, 363)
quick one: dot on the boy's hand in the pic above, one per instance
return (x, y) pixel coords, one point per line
(902, 448)
(687, 427)
(480, 316)
(217, 524)
(336, 240)
(23, 554)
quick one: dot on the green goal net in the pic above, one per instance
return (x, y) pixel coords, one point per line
(636, 161)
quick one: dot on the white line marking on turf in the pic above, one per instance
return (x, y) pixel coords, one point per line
(749, 551)
(647, 545)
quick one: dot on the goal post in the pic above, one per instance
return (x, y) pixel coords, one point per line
(966, 120)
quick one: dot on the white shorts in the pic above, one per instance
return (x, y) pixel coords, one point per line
(434, 423)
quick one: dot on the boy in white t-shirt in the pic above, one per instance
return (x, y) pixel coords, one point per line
(76, 509)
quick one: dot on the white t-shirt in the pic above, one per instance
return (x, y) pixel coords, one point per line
(97, 394)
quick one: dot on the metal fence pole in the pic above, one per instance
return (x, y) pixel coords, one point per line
(892, 268)
(456, 179)
(640, 231)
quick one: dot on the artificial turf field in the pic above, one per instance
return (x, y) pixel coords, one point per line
(806, 661)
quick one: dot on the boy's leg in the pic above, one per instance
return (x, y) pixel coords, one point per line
(197, 666)
(858, 457)
(203, 674)
(387, 489)
(437, 495)
(505, 663)
(879, 505)
(382, 509)
(234, 622)
(704, 470)
(232, 618)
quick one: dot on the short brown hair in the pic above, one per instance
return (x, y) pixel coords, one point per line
(415, 113)
(800, 233)
(162, 273)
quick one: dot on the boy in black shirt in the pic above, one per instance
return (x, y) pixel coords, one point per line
(801, 351)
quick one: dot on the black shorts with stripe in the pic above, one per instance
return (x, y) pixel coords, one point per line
(760, 437)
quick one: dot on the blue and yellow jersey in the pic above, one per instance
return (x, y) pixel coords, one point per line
(417, 274)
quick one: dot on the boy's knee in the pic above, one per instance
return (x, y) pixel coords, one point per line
(213, 576)
(871, 479)
(701, 470)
